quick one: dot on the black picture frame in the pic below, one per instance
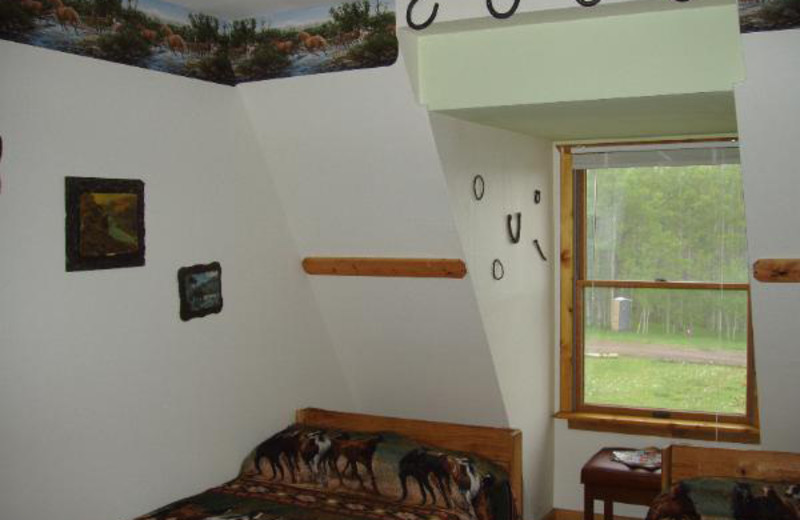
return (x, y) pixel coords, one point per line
(209, 300)
(104, 223)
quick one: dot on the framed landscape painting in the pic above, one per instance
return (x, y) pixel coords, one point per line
(200, 288)
(104, 223)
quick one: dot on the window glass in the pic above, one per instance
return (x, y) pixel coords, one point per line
(683, 350)
(666, 223)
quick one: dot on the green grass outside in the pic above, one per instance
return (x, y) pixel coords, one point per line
(650, 383)
(700, 340)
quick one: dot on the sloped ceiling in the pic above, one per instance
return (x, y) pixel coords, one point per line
(357, 168)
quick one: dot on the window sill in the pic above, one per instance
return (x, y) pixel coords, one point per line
(674, 428)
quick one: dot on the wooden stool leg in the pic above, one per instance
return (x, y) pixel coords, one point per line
(588, 505)
(608, 510)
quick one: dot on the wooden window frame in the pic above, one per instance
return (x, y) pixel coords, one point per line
(667, 423)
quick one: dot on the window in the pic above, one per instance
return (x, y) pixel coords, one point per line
(655, 306)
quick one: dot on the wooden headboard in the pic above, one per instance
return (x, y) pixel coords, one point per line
(682, 462)
(503, 446)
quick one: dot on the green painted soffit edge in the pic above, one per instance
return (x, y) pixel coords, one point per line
(692, 49)
(706, 113)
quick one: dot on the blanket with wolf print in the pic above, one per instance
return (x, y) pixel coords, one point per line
(304, 473)
(727, 499)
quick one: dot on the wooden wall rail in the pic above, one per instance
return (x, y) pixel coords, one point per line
(389, 267)
(777, 270)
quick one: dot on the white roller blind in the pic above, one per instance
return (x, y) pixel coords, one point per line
(633, 156)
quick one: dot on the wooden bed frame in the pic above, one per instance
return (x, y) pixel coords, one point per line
(503, 446)
(682, 462)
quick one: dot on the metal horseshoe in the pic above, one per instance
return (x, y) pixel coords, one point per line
(588, 3)
(498, 271)
(539, 248)
(514, 236)
(478, 187)
(497, 14)
(426, 23)
(537, 196)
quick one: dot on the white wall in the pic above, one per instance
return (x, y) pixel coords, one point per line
(516, 311)
(769, 130)
(110, 405)
(355, 163)
(769, 126)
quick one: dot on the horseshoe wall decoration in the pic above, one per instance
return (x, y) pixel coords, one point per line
(489, 5)
(537, 196)
(500, 15)
(514, 236)
(539, 248)
(424, 25)
(498, 271)
(478, 187)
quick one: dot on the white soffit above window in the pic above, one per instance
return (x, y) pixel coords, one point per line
(672, 154)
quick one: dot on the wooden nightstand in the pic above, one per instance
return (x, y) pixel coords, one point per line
(609, 481)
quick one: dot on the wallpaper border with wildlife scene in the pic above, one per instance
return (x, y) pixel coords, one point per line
(166, 37)
(104, 223)
(768, 15)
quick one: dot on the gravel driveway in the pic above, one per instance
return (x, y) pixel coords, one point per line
(667, 353)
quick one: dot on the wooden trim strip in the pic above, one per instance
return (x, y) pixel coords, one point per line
(579, 208)
(676, 428)
(752, 380)
(673, 414)
(386, 267)
(567, 281)
(777, 270)
(633, 284)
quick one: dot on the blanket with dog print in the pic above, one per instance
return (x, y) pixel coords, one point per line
(304, 473)
(727, 499)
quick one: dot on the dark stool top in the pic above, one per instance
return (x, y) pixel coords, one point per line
(601, 470)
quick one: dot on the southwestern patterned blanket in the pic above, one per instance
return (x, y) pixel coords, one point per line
(304, 473)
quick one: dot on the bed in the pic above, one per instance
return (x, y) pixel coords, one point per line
(343, 466)
(715, 483)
